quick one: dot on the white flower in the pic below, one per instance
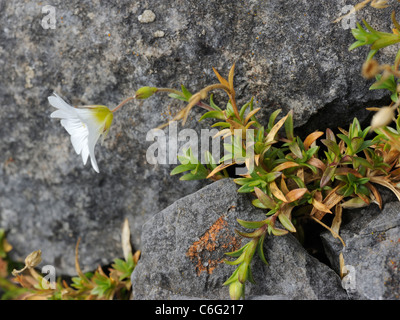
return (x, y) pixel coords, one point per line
(85, 125)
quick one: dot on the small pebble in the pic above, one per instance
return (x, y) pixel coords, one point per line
(158, 34)
(147, 16)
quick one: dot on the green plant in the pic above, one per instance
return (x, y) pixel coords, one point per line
(29, 284)
(291, 179)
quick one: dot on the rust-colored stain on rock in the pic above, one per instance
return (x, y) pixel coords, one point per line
(208, 251)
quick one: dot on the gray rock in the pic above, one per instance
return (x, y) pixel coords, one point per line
(184, 246)
(371, 254)
(288, 54)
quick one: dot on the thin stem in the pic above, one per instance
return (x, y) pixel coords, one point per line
(333, 232)
(234, 106)
(217, 86)
(169, 90)
(230, 94)
(200, 103)
(204, 106)
(122, 103)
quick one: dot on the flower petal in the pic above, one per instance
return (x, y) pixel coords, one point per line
(95, 128)
(85, 152)
(80, 138)
(59, 103)
(73, 126)
(94, 135)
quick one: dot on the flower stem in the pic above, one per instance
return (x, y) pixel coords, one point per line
(169, 90)
(122, 103)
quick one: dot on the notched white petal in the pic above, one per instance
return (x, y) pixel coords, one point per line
(59, 103)
(94, 135)
(85, 152)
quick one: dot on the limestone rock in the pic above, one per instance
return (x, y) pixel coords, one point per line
(371, 254)
(184, 246)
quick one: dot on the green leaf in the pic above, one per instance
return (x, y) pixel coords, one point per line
(257, 203)
(269, 177)
(267, 201)
(346, 191)
(229, 110)
(237, 253)
(213, 114)
(311, 152)
(260, 249)
(332, 146)
(242, 272)
(250, 276)
(221, 124)
(246, 189)
(3, 251)
(278, 231)
(232, 278)
(286, 223)
(311, 167)
(253, 234)
(289, 126)
(364, 190)
(364, 145)
(351, 177)
(260, 135)
(243, 109)
(243, 181)
(356, 143)
(272, 118)
(228, 158)
(125, 267)
(251, 224)
(346, 139)
(178, 96)
(354, 128)
(210, 161)
(182, 168)
(363, 180)
(212, 104)
(104, 286)
(185, 92)
(389, 84)
(327, 175)
(294, 147)
(371, 54)
(357, 161)
(187, 157)
(200, 172)
(235, 262)
(300, 183)
(388, 40)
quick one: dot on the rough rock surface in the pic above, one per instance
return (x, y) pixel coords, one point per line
(289, 54)
(184, 246)
(372, 253)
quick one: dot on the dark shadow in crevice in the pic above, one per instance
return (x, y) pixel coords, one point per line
(334, 115)
(310, 239)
